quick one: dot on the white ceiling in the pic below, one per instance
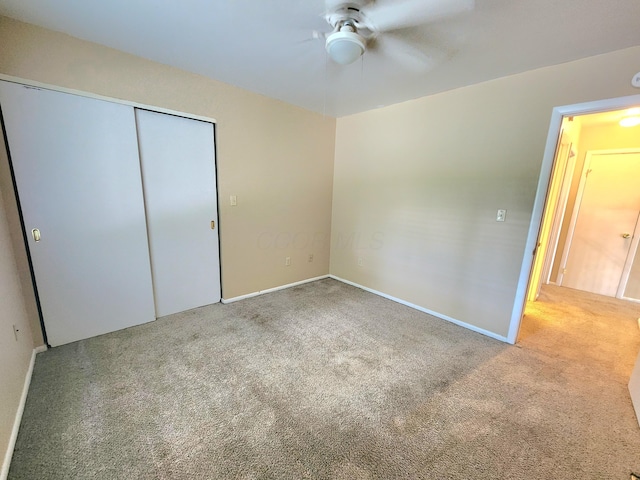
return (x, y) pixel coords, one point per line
(267, 46)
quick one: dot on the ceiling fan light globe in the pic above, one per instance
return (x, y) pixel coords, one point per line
(345, 47)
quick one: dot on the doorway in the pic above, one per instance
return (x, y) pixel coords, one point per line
(535, 251)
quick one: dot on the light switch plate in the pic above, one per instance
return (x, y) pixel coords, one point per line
(500, 217)
(233, 200)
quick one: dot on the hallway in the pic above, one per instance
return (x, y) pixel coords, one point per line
(601, 329)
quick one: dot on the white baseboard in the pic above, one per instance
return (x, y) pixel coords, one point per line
(389, 297)
(269, 290)
(425, 310)
(16, 424)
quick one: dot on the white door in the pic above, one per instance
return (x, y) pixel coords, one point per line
(603, 233)
(557, 194)
(558, 216)
(178, 169)
(78, 179)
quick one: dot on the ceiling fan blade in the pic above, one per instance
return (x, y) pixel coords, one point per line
(384, 17)
(314, 36)
(410, 57)
(317, 35)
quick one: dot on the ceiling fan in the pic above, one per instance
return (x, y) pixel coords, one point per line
(361, 25)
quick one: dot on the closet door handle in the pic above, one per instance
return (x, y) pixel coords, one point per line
(626, 235)
(35, 233)
(213, 224)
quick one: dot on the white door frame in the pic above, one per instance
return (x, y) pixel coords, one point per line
(82, 93)
(541, 192)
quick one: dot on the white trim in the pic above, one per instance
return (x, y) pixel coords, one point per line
(40, 349)
(424, 310)
(541, 192)
(81, 93)
(269, 290)
(16, 424)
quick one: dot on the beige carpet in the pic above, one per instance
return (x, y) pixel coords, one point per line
(328, 381)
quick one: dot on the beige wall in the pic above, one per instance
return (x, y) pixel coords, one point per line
(15, 355)
(15, 287)
(417, 186)
(277, 158)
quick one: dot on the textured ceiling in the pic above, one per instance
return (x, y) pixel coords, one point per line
(268, 46)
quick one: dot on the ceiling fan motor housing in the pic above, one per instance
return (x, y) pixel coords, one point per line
(345, 45)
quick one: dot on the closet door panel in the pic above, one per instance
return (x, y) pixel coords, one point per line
(78, 178)
(178, 169)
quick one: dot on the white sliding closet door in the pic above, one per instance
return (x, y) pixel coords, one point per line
(78, 177)
(178, 170)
